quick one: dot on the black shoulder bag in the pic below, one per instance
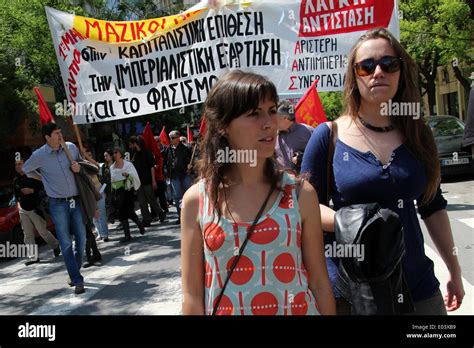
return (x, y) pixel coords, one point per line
(242, 248)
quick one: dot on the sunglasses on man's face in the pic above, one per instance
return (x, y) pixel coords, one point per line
(388, 64)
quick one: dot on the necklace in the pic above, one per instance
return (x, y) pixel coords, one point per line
(374, 128)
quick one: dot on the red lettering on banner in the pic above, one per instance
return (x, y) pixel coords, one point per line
(153, 26)
(297, 47)
(109, 31)
(73, 72)
(69, 39)
(292, 86)
(93, 24)
(329, 17)
(124, 31)
(294, 66)
(134, 37)
(140, 31)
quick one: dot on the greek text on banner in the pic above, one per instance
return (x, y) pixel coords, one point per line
(116, 70)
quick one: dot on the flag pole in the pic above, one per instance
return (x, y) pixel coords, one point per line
(78, 134)
(192, 156)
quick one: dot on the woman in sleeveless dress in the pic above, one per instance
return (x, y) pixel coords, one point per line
(281, 270)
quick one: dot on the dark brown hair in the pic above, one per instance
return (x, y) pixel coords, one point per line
(233, 95)
(416, 134)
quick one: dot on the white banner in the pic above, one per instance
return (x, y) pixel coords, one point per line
(116, 70)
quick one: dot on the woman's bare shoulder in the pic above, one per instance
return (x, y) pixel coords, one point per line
(192, 194)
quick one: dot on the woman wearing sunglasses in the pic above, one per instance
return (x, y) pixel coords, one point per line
(250, 245)
(391, 160)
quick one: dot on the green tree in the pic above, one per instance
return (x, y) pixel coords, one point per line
(435, 32)
(27, 55)
(27, 58)
(332, 104)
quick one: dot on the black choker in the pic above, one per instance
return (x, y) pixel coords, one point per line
(376, 129)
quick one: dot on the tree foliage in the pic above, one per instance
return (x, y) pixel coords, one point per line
(435, 32)
(27, 56)
(332, 104)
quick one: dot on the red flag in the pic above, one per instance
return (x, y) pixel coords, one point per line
(202, 127)
(150, 142)
(190, 135)
(164, 137)
(309, 109)
(152, 145)
(45, 113)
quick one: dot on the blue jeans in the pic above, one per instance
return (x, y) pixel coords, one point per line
(68, 220)
(101, 223)
(180, 185)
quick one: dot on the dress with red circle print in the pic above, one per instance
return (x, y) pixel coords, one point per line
(270, 277)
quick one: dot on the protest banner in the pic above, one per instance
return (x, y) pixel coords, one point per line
(116, 70)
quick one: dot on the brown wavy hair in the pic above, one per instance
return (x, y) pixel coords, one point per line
(417, 136)
(235, 94)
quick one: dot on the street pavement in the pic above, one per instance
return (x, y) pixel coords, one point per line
(139, 277)
(143, 277)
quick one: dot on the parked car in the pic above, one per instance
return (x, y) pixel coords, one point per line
(448, 132)
(10, 226)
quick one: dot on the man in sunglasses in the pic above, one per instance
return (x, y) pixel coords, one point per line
(179, 168)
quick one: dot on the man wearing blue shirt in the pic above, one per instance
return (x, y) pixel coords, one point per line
(64, 206)
(292, 138)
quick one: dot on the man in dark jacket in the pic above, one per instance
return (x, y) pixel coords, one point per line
(179, 168)
(27, 195)
(144, 162)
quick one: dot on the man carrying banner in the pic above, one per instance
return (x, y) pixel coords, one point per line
(292, 137)
(64, 204)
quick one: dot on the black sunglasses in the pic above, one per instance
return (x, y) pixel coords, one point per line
(388, 64)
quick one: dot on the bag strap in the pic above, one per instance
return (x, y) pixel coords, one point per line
(331, 149)
(242, 247)
(299, 185)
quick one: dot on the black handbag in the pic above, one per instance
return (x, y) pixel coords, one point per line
(371, 276)
(373, 283)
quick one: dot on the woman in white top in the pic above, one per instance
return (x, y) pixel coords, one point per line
(124, 178)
